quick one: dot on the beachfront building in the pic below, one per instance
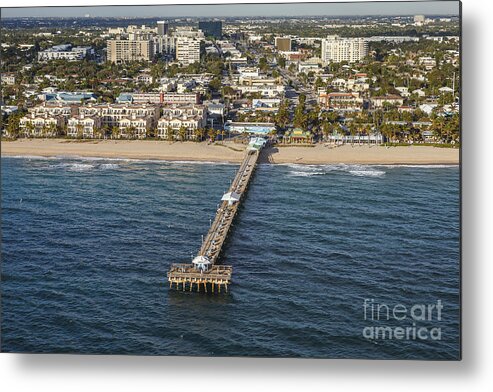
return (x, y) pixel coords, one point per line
(176, 117)
(336, 49)
(112, 114)
(33, 125)
(189, 123)
(84, 127)
(134, 127)
(297, 136)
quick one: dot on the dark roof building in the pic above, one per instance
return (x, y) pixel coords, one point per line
(212, 28)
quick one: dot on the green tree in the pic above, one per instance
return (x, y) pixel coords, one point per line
(182, 133)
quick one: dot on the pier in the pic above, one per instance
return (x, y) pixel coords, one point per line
(204, 274)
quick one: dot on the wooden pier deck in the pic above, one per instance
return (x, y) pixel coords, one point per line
(203, 274)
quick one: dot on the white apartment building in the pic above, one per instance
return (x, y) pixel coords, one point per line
(187, 50)
(191, 117)
(270, 91)
(134, 126)
(190, 123)
(32, 125)
(185, 110)
(53, 110)
(336, 49)
(112, 114)
(83, 126)
(65, 52)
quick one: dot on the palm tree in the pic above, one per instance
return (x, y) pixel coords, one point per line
(170, 133)
(212, 134)
(80, 130)
(115, 132)
(182, 133)
(199, 134)
(52, 129)
(29, 128)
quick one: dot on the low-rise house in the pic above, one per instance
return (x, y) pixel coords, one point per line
(446, 90)
(309, 66)
(403, 91)
(358, 84)
(297, 136)
(428, 107)
(380, 101)
(266, 104)
(427, 62)
(8, 78)
(420, 93)
(338, 83)
(144, 78)
(270, 91)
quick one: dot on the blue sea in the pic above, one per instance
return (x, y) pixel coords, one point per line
(318, 252)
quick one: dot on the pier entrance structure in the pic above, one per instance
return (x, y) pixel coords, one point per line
(204, 274)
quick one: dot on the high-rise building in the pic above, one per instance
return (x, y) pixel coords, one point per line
(162, 28)
(419, 19)
(187, 50)
(212, 28)
(120, 51)
(336, 49)
(283, 44)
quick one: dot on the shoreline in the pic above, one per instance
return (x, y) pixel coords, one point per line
(229, 152)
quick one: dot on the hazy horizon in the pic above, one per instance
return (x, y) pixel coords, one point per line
(241, 10)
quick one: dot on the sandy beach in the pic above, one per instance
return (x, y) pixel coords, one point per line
(229, 152)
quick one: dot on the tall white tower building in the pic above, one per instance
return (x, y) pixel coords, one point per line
(336, 49)
(187, 50)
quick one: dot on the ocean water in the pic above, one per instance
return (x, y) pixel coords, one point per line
(86, 244)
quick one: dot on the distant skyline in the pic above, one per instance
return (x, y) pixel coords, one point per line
(246, 10)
